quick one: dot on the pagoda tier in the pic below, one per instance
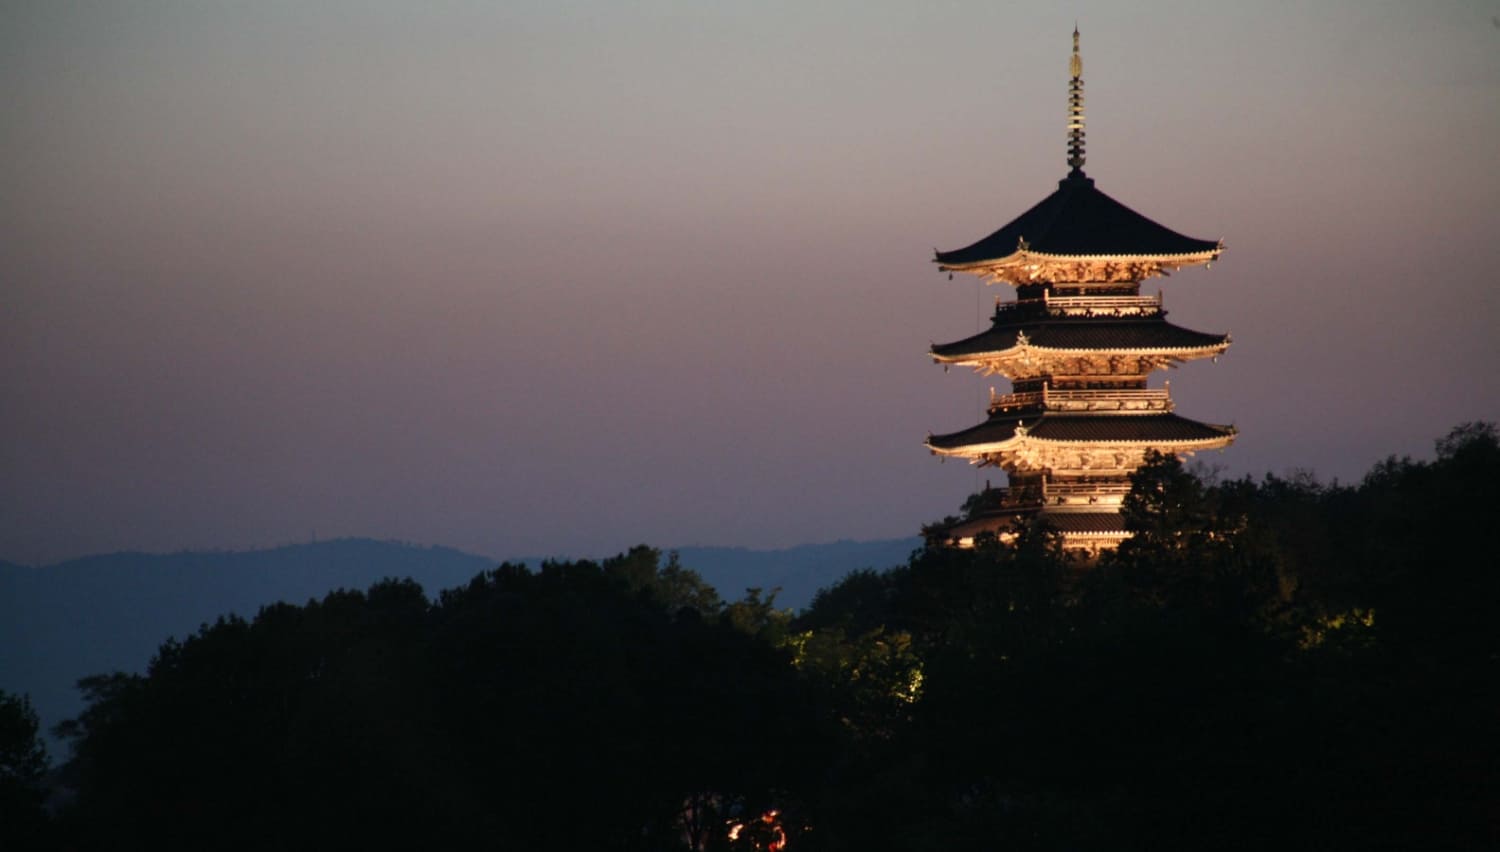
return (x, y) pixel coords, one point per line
(1079, 337)
(1063, 443)
(1081, 531)
(1079, 235)
(1078, 344)
(1070, 454)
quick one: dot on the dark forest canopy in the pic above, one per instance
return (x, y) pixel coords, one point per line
(1266, 663)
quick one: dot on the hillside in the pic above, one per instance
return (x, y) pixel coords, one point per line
(111, 612)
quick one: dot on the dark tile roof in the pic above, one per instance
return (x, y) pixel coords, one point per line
(1063, 522)
(1081, 427)
(993, 523)
(1086, 522)
(1152, 333)
(1080, 220)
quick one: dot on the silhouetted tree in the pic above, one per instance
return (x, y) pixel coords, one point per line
(23, 762)
(570, 707)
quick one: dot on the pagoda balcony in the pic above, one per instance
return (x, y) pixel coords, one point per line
(1107, 495)
(1005, 500)
(1085, 494)
(1085, 306)
(1122, 400)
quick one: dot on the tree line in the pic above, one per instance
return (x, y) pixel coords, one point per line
(1267, 662)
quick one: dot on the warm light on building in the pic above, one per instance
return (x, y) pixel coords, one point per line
(1078, 344)
(775, 835)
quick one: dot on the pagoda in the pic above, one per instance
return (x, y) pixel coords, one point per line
(1078, 343)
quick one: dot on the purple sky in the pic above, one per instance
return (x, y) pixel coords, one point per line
(559, 277)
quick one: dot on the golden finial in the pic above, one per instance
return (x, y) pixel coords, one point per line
(1075, 107)
(1075, 65)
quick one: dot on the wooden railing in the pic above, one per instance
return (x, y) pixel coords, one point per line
(1129, 400)
(1008, 401)
(1117, 306)
(1000, 499)
(1103, 494)
(1088, 306)
(1070, 489)
(1092, 494)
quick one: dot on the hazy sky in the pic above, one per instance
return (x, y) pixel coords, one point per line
(559, 277)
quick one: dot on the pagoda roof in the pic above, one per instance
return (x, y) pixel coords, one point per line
(1067, 523)
(1079, 221)
(1099, 428)
(1150, 334)
(1086, 522)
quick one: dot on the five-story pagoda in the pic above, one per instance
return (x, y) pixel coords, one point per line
(1078, 344)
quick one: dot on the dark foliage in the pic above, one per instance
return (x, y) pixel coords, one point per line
(580, 706)
(1271, 664)
(23, 763)
(1266, 664)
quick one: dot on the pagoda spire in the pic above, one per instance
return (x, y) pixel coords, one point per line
(1075, 107)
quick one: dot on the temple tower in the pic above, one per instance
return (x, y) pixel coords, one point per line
(1078, 344)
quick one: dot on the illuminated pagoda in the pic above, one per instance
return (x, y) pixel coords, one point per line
(1077, 343)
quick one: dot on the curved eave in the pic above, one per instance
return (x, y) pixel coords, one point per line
(1077, 528)
(1006, 433)
(1182, 353)
(1181, 445)
(1025, 257)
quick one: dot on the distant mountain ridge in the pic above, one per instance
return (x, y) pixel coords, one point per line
(799, 572)
(111, 612)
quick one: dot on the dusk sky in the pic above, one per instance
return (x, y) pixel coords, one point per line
(561, 277)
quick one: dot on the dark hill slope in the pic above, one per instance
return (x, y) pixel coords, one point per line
(107, 613)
